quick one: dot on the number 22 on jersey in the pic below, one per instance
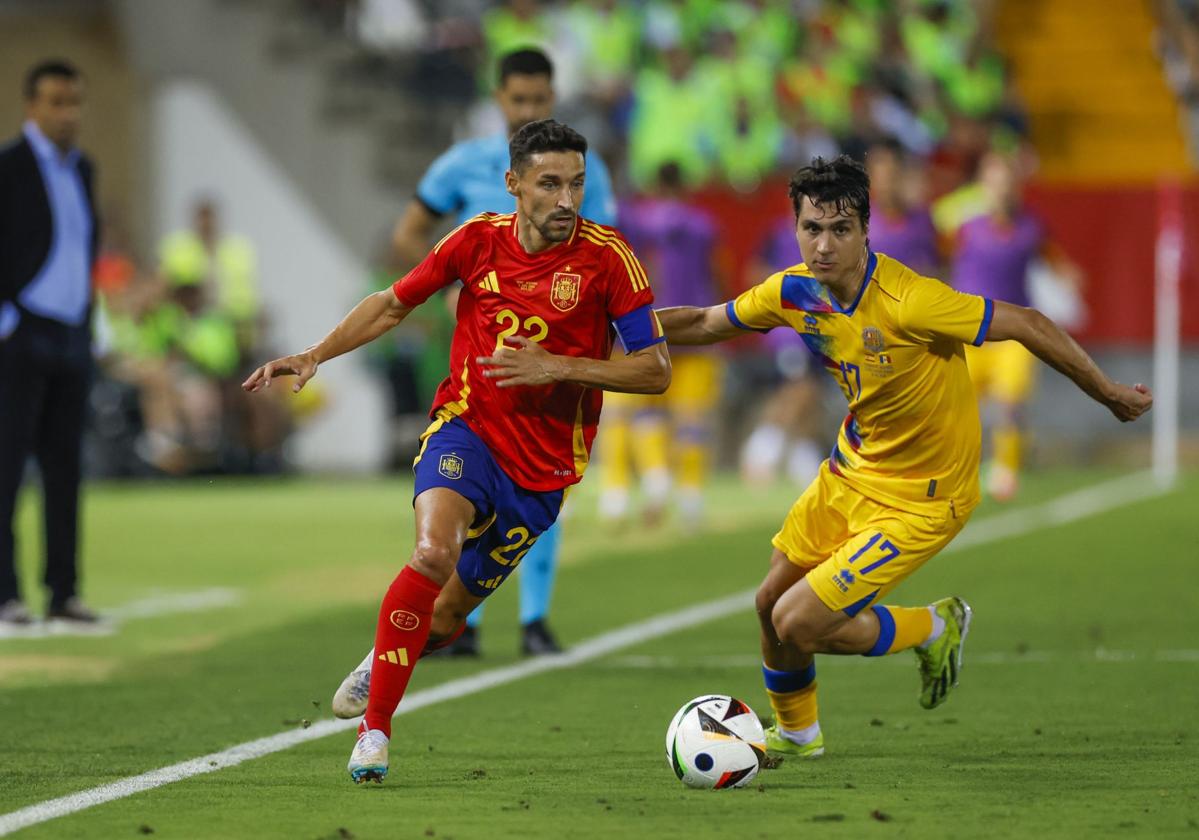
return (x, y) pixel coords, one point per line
(511, 324)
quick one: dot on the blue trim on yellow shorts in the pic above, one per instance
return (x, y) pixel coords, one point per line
(857, 606)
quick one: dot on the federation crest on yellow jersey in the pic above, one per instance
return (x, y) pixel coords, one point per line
(872, 340)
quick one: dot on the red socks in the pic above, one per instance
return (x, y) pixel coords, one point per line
(402, 632)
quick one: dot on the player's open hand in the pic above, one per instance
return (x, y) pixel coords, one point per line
(531, 364)
(301, 365)
(1128, 402)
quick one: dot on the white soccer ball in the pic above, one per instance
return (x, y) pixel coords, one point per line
(715, 742)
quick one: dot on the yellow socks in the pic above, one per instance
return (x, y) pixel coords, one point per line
(901, 628)
(1009, 446)
(792, 697)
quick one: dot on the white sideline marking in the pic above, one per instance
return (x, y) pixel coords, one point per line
(598, 646)
(1064, 509)
(1071, 507)
(168, 603)
(165, 603)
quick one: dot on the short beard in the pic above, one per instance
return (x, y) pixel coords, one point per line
(549, 234)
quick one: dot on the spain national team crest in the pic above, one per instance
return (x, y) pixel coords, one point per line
(564, 291)
(450, 466)
(404, 620)
(872, 337)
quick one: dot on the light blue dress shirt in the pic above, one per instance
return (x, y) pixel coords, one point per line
(62, 288)
(468, 179)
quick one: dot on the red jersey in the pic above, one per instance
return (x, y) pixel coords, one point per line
(565, 298)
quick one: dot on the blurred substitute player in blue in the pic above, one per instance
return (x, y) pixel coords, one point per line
(466, 180)
(992, 257)
(902, 478)
(544, 293)
(666, 438)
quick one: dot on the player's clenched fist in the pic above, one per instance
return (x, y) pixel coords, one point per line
(301, 365)
(1129, 403)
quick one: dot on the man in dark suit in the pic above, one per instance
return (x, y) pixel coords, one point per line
(48, 240)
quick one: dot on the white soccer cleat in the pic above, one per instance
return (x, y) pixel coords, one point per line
(349, 701)
(368, 762)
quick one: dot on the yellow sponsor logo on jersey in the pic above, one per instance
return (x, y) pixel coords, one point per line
(491, 282)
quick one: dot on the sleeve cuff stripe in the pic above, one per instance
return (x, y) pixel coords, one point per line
(731, 309)
(985, 326)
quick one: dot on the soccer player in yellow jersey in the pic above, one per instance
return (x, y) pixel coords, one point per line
(902, 478)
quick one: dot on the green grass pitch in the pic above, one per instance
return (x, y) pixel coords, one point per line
(1075, 716)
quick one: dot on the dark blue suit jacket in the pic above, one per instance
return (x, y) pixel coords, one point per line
(26, 227)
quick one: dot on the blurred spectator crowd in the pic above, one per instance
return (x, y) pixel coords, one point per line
(174, 340)
(723, 94)
(732, 91)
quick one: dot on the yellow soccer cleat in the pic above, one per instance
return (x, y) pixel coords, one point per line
(777, 742)
(941, 662)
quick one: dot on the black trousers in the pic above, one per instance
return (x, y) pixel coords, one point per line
(45, 371)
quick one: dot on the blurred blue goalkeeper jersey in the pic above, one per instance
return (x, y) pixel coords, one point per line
(468, 179)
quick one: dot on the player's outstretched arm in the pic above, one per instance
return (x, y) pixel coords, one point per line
(1050, 343)
(644, 371)
(375, 315)
(690, 325)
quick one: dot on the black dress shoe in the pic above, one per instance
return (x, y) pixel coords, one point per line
(72, 609)
(537, 640)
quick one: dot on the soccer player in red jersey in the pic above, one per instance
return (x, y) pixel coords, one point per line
(513, 423)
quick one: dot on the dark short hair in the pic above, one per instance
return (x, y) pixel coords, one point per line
(525, 62)
(841, 183)
(543, 136)
(56, 68)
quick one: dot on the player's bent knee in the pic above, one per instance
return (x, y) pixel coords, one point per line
(793, 628)
(434, 560)
(764, 601)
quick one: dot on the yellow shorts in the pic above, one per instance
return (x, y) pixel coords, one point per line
(855, 549)
(695, 383)
(1002, 370)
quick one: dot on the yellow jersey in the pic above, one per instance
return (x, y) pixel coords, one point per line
(912, 436)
